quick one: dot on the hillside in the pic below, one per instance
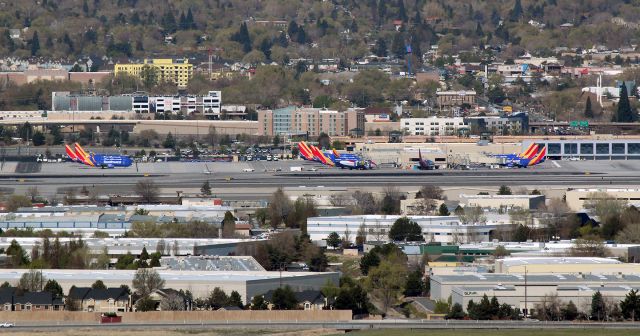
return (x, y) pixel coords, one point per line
(281, 29)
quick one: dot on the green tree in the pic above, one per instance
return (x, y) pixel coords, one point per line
(258, 303)
(218, 298)
(228, 225)
(588, 109)
(414, 286)
(38, 138)
(145, 304)
(333, 240)
(235, 300)
(54, 288)
(570, 311)
(169, 141)
(98, 284)
(598, 307)
(387, 280)
(456, 312)
(17, 255)
(149, 77)
(144, 255)
(443, 210)
(380, 48)
(206, 188)
(404, 229)
(624, 113)
(368, 261)
(284, 299)
(516, 12)
(35, 44)
(504, 190)
(630, 306)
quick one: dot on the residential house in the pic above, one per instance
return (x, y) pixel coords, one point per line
(99, 300)
(36, 301)
(170, 294)
(12, 299)
(307, 300)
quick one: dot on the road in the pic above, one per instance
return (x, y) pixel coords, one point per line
(337, 325)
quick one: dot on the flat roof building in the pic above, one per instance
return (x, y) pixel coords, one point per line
(503, 201)
(200, 283)
(434, 126)
(167, 70)
(443, 229)
(576, 198)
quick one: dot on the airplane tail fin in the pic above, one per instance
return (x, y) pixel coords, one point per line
(70, 153)
(527, 152)
(540, 157)
(533, 152)
(336, 153)
(82, 155)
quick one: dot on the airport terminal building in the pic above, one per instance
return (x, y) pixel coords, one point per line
(610, 149)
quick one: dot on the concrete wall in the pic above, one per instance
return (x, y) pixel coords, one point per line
(181, 316)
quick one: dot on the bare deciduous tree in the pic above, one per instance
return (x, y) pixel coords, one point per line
(147, 280)
(147, 189)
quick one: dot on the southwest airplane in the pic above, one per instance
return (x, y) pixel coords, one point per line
(532, 160)
(333, 158)
(531, 150)
(424, 164)
(77, 154)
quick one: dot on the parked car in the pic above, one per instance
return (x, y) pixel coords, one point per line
(7, 325)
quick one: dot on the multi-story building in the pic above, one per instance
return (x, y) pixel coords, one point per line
(168, 70)
(310, 121)
(447, 99)
(434, 126)
(442, 229)
(208, 105)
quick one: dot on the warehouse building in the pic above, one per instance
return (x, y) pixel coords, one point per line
(200, 283)
(576, 198)
(573, 265)
(440, 229)
(527, 290)
(613, 149)
(507, 202)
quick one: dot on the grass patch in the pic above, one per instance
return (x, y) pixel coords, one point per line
(475, 332)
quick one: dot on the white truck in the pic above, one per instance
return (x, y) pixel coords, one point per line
(295, 168)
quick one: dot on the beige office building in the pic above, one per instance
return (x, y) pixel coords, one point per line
(526, 202)
(310, 121)
(577, 198)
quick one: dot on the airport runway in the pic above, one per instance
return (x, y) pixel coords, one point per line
(56, 178)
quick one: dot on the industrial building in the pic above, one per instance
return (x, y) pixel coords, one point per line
(167, 70)
(576, 198)
(525, 291)
(505, 202)
(208, 105)
(573, 265)
(441, 229)
(201, 283)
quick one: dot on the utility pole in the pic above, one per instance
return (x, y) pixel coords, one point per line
(526, 311)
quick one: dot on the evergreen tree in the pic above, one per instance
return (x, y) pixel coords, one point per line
(243, 37)
(397, 46)
(625, 113)
(414, 285)
(169, 24)
(598, 307)
(206, 188)
(404, 229)
(456, 312)
(402, 12)
(479, 31)
(182, 22)
(516, 12)
(85, 7)
(630, 306)
(169, 141)
(191, 23)
(588, 110)
(380, 49)
(235, 300)
(570, 312)
(35, 44)
(443, 210)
